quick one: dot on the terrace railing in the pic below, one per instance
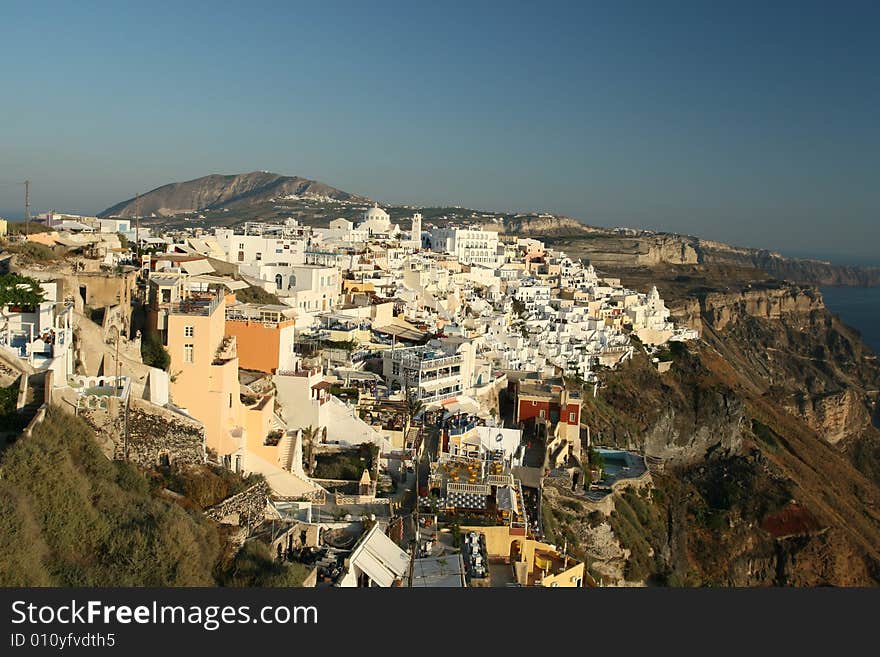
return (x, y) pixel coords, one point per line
(198, 306)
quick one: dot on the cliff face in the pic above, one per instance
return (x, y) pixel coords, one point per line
(608, 249)
(836, 415)
(718, 310)
(789, 347)
(811, 272)
(765, 460)
(543, 225)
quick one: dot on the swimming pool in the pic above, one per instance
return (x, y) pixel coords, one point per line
(620, 464)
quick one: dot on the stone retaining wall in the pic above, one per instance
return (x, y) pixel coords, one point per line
(155, 434)
(248, 506)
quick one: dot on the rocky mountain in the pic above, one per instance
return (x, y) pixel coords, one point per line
(226, 192)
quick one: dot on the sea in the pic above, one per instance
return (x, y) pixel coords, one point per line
(858, 307)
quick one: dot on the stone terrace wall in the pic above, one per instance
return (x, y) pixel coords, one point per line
(153, 433)
(247, 506)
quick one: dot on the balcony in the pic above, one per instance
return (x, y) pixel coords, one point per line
(196, 305)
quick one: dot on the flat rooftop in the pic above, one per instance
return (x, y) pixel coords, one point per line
(439, 572)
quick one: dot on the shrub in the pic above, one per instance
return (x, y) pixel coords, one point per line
(254, 294)
(70, 517)
(154, 352)
(33, 251)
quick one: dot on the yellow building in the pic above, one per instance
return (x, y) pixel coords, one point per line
(534, 563)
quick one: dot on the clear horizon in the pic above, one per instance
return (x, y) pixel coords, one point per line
(748, 124)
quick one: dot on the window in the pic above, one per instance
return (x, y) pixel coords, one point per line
(188, 353)
(571, 418)
(259, 256)
(188, 331)
(542, 412)
(534, 403)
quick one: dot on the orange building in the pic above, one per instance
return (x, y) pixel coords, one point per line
(264, 334)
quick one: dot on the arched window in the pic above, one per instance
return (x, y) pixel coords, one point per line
(278, 280)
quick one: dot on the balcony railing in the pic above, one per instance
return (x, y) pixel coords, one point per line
(199, 306)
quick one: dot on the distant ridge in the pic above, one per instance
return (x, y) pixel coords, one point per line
(217, 191)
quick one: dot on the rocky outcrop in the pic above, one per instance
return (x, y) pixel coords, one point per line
(834, 416)
(543, 225)
(714, 424)
(720, 309)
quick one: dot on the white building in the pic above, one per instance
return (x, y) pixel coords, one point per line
(376, 223)
(42, 335)
(310, 288)
(431, 372)
(258, 245)
(470, 245)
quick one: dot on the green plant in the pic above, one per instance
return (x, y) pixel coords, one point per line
(154, 352)
(258, 295)
(254, 566)
(10, 419)
(33, 251)
(19, 291)
(70, 517)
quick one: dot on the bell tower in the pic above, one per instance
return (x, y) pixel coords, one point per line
(416, 233)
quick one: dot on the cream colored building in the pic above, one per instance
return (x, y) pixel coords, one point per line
(204, 369)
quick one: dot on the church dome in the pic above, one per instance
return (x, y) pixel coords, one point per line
(376, 214)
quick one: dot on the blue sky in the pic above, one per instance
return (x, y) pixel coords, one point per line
(736, 121)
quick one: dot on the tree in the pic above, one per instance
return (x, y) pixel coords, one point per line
(154, 353)
(308, 436)
(18, 292)
(414, 405)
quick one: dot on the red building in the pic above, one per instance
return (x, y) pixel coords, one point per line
(547, 401)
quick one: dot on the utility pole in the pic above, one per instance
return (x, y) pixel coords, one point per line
(27, 207)
(137, 230)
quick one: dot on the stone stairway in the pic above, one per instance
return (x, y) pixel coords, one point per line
(35, 396)
(287, 443)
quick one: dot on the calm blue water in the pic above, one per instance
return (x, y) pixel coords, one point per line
(858, 307)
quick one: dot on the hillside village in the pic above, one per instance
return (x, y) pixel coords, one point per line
(400, 398)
